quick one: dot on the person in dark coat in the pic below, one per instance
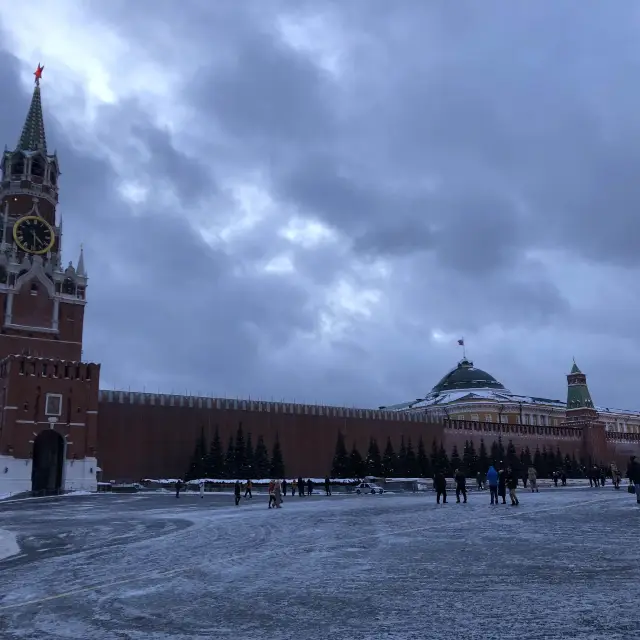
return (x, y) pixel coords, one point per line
(283, 486)
(502, 485)
(327, 486)
(461, 485)
(178, 487)
(309, 486)
(512, 484)
(633, 473)
(440, 483)
(300, 486)
(237, 488)
(479, 481)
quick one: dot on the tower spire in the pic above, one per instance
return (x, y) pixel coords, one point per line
(33, 137)
(80, 270)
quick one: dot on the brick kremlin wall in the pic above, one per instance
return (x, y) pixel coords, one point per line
(153, 436)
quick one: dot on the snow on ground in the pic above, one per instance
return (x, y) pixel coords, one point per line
(390, 567)
(8, 544)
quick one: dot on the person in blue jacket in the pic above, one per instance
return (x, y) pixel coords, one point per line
(492, 480)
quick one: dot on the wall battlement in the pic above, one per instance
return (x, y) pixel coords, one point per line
(49, 368)
(203, 402)
(515, 430)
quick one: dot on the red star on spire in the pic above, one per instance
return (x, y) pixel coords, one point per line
(38, 73)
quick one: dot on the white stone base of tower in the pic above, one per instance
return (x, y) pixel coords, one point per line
(77, 475)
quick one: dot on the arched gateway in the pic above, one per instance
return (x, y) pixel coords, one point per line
(48, 462)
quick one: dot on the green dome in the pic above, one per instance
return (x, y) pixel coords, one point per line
(466, 376)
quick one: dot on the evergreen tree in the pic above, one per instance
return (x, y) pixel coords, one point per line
(277, 463)
(546, 471)
(249, 457)
(483, 458)
(356, 463)
(197, 467)
(473, 469)
(389, 460)
(230, 461)
(495, 455)
(261, 460)
(528, 460)
(559, 460)
(456, 463)
(401, 464)
(512, 458)
(434, 457)
(412, 461)
(467, 460)
(501, 452)
(214, 463)
(566, 464)
(443, 460)
(374, 460)
(240, 454)
(424, 466)
(537, 462)
(575, 466)
(340, 465)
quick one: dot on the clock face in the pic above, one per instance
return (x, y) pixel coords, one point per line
(33, 234)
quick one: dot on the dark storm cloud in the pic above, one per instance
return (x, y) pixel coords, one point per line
(456, 142)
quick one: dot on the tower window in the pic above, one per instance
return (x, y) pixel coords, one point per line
(34, 289)
(69, 286)
(53, 405)
(37, 167)
(17, 166)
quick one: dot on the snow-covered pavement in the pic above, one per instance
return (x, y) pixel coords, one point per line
(562, 565)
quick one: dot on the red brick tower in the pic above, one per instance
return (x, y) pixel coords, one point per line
(582, 413)
(48, 398)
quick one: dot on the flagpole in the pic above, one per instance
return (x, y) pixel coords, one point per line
(464, 349)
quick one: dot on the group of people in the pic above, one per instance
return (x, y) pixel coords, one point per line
(278, 490)
(498, 480)
(501, 479)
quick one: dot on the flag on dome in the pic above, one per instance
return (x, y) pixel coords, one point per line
(461, 342)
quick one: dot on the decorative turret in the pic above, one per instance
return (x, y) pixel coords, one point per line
(578, 396)
(579, 403)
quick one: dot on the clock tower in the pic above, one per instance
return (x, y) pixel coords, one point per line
(48, 397)
(41, 301)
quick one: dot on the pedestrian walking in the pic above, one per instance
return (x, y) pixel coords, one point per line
(277, 494)
(309, 486)
(492, 479)
(512, 484)
(178, 488)
(284, 487)
(461, 485)
(633, 473)
(502, 485)
(247, 489)
(236, 490)
(300, 486)
(327, 486)
(272, 492)
(533, 479)
(202, 488)
(440, 484)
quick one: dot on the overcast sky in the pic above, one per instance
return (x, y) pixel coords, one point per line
(314, 200)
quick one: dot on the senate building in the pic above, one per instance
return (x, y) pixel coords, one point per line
(59, 431)
(467, 393)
